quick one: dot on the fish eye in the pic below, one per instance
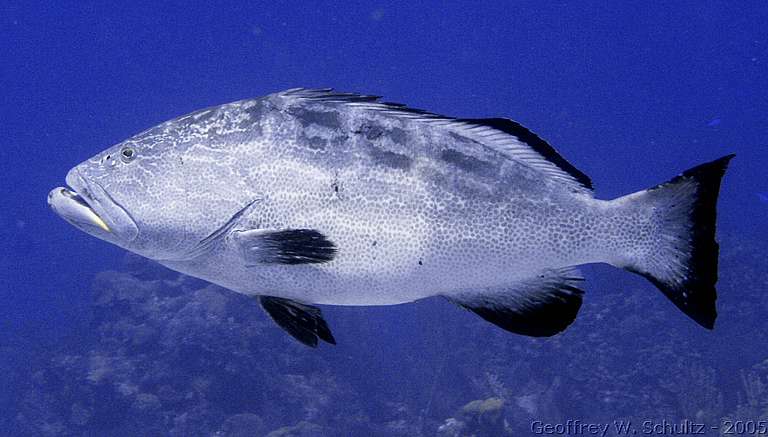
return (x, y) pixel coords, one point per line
(127, 154)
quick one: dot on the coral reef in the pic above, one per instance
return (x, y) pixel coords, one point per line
(476, 419)
(169, 355)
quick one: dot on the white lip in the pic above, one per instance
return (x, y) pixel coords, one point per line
(76, 210)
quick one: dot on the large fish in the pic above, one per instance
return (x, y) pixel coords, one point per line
(317, 197)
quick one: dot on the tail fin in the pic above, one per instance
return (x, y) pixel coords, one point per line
(680, 253)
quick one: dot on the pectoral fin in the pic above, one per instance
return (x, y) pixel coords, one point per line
(304, 322)
(290, 246)
(541, 306)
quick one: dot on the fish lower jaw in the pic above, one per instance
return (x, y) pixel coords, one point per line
(75, 209)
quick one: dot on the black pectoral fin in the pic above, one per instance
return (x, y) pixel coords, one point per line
(539, 307)
(304, 322)
(290, 246)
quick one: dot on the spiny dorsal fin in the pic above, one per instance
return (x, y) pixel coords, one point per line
(303, 322)
(503, 135)
(541, 306)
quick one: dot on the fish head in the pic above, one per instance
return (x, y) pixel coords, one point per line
(138, 195)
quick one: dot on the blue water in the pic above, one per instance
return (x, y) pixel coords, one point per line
(630, 93)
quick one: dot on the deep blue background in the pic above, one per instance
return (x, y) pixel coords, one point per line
(631, 93)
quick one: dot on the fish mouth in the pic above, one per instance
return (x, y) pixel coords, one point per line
(89, 207)
(75, 209)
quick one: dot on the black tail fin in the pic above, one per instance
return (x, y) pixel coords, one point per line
(683, 262)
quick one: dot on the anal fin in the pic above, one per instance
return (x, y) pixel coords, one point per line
(303, 322)
(541, 306)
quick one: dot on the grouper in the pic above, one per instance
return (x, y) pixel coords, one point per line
(315, 197)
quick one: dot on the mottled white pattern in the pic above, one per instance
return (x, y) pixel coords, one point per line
(416, 205)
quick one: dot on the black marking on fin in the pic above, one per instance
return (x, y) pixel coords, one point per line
(540, 307)
(299, 246)
(696, 294)
(290, 246)
(303, 322)
(542, 147)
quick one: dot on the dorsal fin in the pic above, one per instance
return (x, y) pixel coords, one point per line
(503, 135)
(526, 136)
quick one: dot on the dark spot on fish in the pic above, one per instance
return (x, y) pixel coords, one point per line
(370, 132)
(314, 143)
(329, 119)
(336, 187)
(467, 163)
(398, 135)
(374, 243)
(390, 159)
(421, 263)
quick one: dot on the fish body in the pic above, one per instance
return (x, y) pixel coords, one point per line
(315, 197)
